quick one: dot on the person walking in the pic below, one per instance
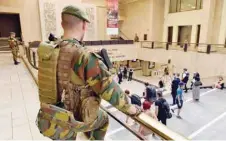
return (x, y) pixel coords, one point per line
(147, 110)
(179, 100)
(125, 72)
(160, 110)
(185, 81)
(119, 77)
(149, 93)
(174, 87)
(128, 100)
(71, 92)
(130, 75)
(196, 89)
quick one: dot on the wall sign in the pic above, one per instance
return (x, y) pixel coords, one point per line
(112, 17)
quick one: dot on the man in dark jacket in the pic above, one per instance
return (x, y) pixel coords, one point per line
(174, 87)
(185, 81)
(120, 77)
(125, 73)
(130, 75)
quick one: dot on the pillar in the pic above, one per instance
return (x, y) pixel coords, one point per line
(145, 69)
(175, 35)
(222, 34)
(194, 35)
(207, 21)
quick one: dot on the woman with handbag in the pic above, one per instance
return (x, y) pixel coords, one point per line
(196, 89)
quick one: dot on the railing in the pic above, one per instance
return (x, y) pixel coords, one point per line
(201, 47)
(161, 131)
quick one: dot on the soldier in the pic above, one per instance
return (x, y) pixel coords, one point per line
(14, 45)
(83, 80)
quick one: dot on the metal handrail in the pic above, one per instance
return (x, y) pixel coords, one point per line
(143, 119)
(184, 43)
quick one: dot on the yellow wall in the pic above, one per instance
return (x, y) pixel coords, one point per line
(30, 16)
(137, 19)
(143, 17)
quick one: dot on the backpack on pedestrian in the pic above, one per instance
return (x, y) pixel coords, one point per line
(151, 94)
(166, 108)
(135, 99)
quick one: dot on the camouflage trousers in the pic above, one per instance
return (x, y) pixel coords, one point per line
(15, 52)
(59, 124)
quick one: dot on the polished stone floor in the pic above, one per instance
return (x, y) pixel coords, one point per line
(19, 104)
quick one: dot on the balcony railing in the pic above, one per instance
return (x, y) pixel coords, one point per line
(201, 47)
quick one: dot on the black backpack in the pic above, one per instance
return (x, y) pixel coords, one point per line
(166, 108)
(135, 99)
(151, 93)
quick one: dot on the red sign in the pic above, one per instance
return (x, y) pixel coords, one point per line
(112, 17)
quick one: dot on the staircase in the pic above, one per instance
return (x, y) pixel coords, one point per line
(120, 36)
(4, 45)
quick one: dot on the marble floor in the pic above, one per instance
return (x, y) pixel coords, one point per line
(19, 105)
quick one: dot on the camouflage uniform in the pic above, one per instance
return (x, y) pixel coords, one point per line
(82, 99)
(14, 45)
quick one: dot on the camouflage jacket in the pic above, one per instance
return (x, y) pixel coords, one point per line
(13, 43)
(92, 70)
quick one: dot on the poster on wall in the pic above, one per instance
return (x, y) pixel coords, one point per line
(112, 17)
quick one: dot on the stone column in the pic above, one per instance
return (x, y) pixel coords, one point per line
(207, 21)
(145, 69)
(222, 34)
(194, 35)
(175, 35)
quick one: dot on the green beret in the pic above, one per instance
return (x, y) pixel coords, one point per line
(77, 12)
(12, 33)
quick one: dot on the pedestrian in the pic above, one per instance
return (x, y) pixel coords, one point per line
(130, 75)
(128, 100)
(193, 79)
(147, 110)
(185, 71)
(136, 38)
(14, 46)
(174, 87)
(72, 84)
(125, 72)
(119, 77)
(196, 89)
(179, 100)
(185, 81)
(150, 93)
(160, 110)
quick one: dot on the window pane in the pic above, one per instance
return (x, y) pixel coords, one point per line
(187, 5)
(173, 6)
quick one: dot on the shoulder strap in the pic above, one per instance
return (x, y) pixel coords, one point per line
(75, 79)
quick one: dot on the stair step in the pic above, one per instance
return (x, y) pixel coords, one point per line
(6, 48)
